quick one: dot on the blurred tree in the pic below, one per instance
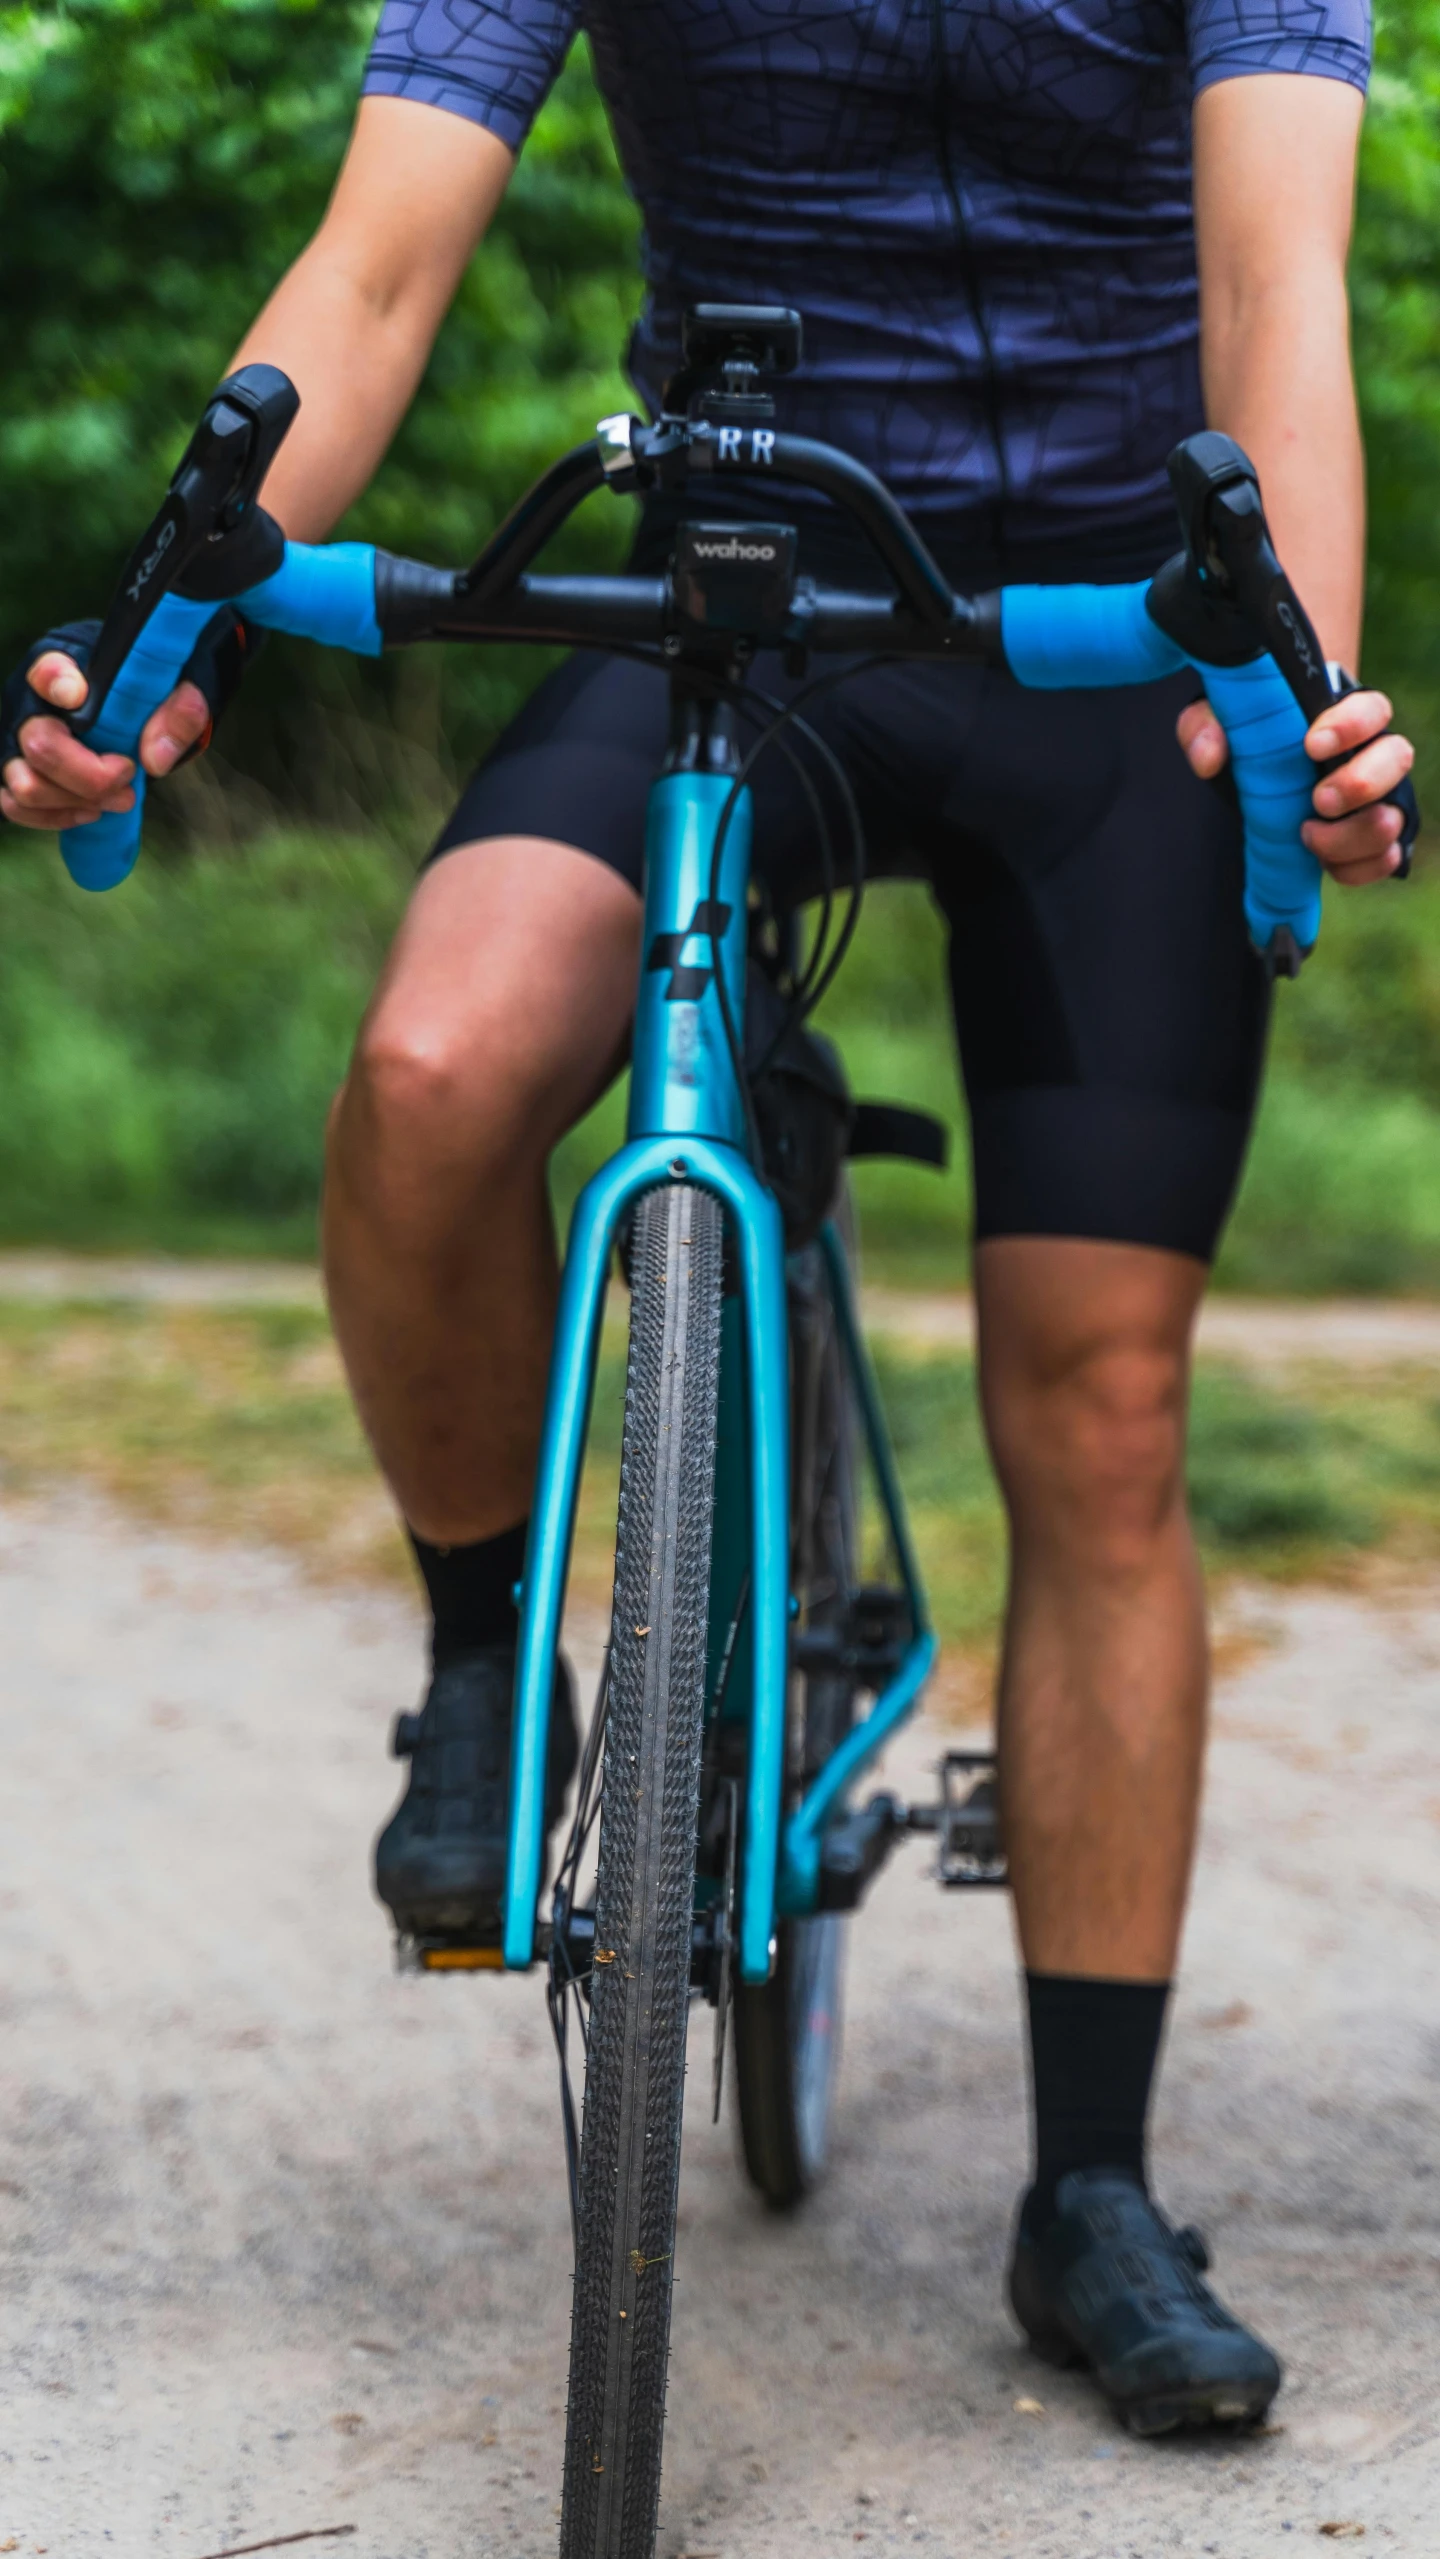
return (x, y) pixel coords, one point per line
(1396, 288)
(159, 168)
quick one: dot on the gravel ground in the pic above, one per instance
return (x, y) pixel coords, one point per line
(1262, 1332)
(285, 2236)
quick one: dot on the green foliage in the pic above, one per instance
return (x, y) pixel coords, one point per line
(160, 168)
(1262, 1473)
(1286, 1478)
(1395, 280)
(162, 165)
(1343, 1186)
(167, 1056)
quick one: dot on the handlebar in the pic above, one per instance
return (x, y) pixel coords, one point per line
(1223, 606)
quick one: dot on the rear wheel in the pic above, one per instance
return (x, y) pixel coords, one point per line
(787, 2030)
(635, 2070)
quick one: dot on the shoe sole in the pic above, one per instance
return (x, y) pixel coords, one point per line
(1224, 2408)
(445, 1918)
(1218, 2403)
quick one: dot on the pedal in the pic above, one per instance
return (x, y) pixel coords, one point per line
(855, 1848)
(966, 1823)
(866, 1644)
(460, 1959)
(446, 1955)
(459, 1955)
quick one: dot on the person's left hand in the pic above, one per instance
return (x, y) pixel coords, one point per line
(1355, 840)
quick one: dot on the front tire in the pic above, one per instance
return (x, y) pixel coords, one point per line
(635, 2073)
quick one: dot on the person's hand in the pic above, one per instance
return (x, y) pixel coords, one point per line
(55, 781)
(1357, 842)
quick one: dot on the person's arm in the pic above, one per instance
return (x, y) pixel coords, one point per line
(355, 319)
(1274, 198)
(352, 324)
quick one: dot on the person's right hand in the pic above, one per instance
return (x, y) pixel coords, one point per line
(56, 782)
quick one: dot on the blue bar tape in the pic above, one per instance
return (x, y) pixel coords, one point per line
(1056, 636)
(102, 854)
(1100, 635)
(321, 591)
(1276, 780)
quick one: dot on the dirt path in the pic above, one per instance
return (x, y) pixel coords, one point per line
(1263, 1331)
(285, 2238)
(155, 1279)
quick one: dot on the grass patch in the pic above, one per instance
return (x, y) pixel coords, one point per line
(1311, 1480)
(220, 1423)
(168, 1054)
(236, 1423)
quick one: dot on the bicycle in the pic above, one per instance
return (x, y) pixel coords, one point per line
(729, 1735)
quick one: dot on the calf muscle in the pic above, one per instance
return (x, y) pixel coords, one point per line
(1084, 1370)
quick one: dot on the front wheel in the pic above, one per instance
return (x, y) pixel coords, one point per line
(645, 1888)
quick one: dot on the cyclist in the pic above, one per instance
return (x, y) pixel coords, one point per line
(983, 210)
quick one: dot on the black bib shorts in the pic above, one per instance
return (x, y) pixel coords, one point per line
(1110, 1012)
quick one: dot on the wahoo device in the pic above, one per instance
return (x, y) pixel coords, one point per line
(731, 577)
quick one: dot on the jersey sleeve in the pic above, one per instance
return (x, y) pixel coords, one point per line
(492, 61)
(1230, 39)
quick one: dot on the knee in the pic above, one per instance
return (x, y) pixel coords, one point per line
(407, 1079)
(427, 1115)
(1089, 1442)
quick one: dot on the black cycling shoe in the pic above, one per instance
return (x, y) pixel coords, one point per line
(440, 1860)
(1109, 2284)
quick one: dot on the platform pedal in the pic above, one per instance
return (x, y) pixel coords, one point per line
(462, 1955)
(965, 1823)
(969, 1854)
(855, 1848)
(446, 1955)
(866, 1643)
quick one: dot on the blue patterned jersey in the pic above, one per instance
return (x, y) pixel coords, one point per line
(982, 208)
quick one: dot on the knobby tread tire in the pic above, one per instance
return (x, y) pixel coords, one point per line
(635, 2072)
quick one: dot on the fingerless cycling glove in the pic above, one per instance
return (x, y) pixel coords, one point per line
(226, 648)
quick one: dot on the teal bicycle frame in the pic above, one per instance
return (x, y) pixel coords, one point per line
(687, 1122)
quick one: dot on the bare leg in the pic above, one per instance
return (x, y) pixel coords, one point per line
(501, 1014)
(1084, 1378)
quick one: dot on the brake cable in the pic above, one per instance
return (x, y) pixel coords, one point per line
(815, 979)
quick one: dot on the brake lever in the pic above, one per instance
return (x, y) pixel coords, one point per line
(1233, 579)
(211, 502)
(1227, 539)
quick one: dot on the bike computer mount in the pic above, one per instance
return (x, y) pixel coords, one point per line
(730, 579)
(730, 351)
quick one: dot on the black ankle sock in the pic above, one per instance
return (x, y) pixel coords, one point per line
(1093, 2048)
(472, 1591)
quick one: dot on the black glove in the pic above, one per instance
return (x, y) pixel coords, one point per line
(1401, 798)
(227, 646)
